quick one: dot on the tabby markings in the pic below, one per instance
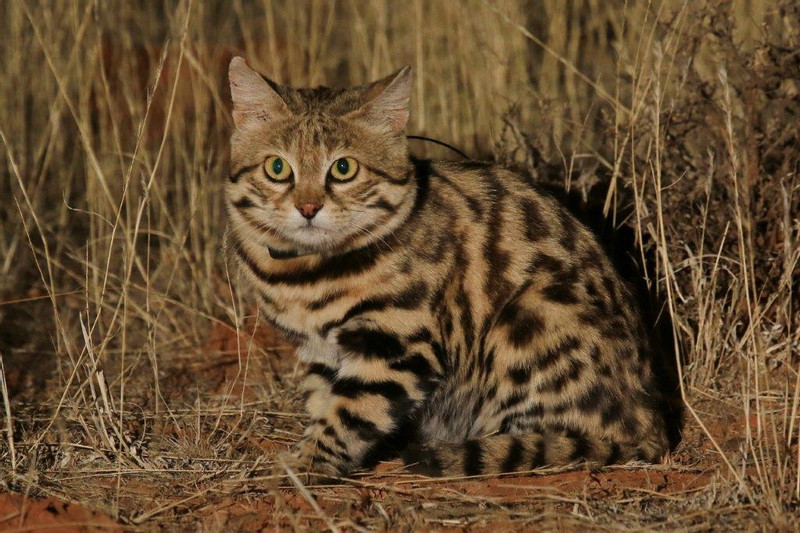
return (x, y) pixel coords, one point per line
(242, 171)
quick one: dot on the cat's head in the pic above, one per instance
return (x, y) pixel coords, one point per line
(318, 170)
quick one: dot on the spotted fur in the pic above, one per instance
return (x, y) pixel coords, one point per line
(446, 310)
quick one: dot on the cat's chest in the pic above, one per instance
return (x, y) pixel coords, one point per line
(295, 316)
(309, 322)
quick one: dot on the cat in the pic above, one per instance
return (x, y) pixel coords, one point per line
(448, 312)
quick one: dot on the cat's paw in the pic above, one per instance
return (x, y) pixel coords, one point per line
(421, 459)
(305, 467)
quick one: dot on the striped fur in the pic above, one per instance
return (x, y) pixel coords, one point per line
(446, 310)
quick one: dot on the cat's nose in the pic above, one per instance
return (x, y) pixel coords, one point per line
(308, 209)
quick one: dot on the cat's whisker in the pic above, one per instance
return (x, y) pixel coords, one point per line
(378, 238)
(247, 230)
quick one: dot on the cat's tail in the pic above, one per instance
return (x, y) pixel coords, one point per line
(502, 453)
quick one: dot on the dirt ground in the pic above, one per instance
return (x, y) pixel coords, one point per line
(208, 492)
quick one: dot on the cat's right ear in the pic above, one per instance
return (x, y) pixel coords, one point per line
(254, 100)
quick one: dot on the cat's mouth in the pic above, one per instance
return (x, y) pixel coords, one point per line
(320, 235)
(314, 236)
(309, 227)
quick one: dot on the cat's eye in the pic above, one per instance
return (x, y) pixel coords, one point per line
(344, 169)
(277, 168)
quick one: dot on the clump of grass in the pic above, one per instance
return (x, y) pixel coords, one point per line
(137, 381)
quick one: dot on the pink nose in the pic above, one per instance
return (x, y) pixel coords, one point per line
(308, 209)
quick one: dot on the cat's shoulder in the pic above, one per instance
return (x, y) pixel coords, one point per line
(449, 167)
(481, 178)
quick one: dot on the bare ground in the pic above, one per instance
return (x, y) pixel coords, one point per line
(234, 426)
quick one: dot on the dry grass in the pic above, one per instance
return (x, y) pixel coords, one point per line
(132, 380)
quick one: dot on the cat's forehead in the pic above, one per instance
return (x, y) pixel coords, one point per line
(318, 130)
(307, 131)
(322, 101)
(320, 117)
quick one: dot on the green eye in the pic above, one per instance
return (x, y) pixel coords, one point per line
(344, 169)
(277, 168)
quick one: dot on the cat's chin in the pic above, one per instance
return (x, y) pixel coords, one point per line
(316, 241)
(325, 237)
(326, 243)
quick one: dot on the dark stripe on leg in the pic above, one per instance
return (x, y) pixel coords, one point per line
(371, 343)
(414, 363)
(614, 455)
(321, 446)
(365, 429)
(581, 448)
(538, 454)
(353, 388)
(473, 458)
(422, 460)
(324, 371)
(330, 431)
(514, 457)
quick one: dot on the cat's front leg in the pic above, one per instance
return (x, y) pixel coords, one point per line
(303, 460)
(358, 407)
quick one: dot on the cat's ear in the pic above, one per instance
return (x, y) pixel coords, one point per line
(253, 98)
(386, 101)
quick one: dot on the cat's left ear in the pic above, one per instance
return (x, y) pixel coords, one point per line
(254, 99)
(386, 101)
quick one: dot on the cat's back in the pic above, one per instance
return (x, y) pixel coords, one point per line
(498, 225)
(490, 196)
